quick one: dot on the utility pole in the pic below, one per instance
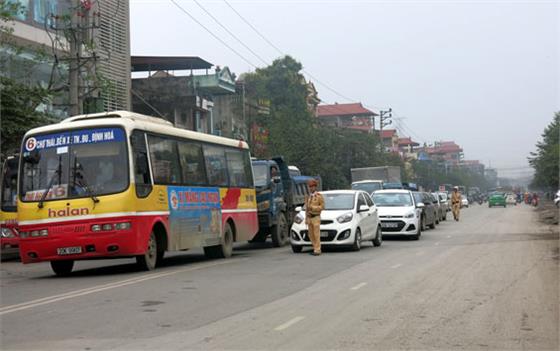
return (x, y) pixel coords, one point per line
(384, 120)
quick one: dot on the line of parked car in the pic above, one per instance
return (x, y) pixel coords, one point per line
(352, 217)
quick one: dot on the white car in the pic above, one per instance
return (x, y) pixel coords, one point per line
(464, 201)
(349, 218)
(399, 213)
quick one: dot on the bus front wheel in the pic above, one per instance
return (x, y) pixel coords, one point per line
(62, 268)
(225, 249)
(148, 260)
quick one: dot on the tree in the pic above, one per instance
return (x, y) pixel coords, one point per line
(545, 160)
(295, 133)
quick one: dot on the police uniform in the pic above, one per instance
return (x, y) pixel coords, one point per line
(314, 204)
(456, 204)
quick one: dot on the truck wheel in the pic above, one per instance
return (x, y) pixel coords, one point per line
(148, 260)
(225, 249)
(279, 232)
(62, 268)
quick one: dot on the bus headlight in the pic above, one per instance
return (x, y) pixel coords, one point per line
(8, 233)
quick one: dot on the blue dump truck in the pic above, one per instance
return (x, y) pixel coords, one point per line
(279, 192)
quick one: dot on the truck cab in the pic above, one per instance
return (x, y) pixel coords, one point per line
(279, 191)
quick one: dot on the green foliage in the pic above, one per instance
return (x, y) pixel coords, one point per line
(18, 104)
(431, 175)
(545, 160)
(295, 133)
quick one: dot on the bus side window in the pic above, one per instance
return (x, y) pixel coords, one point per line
(141, 167)
(216, 165)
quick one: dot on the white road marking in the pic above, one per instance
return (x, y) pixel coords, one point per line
(396, 266)
(94, 289)
(361, 285)
(289, 323)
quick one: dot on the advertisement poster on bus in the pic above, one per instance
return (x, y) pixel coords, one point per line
(194, 211)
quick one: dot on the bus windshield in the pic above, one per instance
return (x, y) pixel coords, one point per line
(72, 164)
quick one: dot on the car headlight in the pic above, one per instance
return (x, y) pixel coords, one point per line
(409, 215)
(347, 217)
(298, 219)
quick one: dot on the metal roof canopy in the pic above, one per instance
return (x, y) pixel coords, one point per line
(167, 63)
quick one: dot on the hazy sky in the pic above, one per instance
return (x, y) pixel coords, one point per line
(482, 73)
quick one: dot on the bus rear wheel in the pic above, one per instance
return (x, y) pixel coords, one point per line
(149, 259)
(225, 249)
(62, 268)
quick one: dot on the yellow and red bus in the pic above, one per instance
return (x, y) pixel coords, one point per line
(121, 184)
(9, 240)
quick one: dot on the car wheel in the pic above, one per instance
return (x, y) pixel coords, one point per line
(445, 216)
(378, 240)
(297, 248)
(357, 240)
(62, 268)
(422, 224)
(433, 225)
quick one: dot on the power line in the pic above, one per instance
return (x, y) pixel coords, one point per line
(230, 33)
(212, 34)
(283, 54)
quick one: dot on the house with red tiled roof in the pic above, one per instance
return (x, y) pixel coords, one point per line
(349, 116)
(447, 151)
(408, 148)
(390, 139)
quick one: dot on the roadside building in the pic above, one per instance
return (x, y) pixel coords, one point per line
(348, 116)
(408, 148)
(474, 166)
(390, 140)
(40, 31)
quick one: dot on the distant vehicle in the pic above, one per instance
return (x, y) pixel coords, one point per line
(387, 174)
(510, 199)
(464, 201)
(446, 202)
(399, 213)
(9, 239)
(410, 186)
(393, 186)
(497, 199)
(442, 208)
(369, 186)
(349, 218)
(429, 211)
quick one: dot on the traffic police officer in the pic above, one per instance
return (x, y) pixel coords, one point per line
(314, 204)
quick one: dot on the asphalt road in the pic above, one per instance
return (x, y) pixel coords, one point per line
(488, 282)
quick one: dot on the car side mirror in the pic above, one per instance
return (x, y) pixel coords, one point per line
(363, 208)
(420, 205)
(299, 209)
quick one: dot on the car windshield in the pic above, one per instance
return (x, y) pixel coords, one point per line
(340, 201)
(367, 187)
(392, 199)
(260, 171)
(71, 164)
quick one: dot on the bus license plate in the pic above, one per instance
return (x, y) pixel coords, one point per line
(69, 250)
(324, 234)
(389, 225)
